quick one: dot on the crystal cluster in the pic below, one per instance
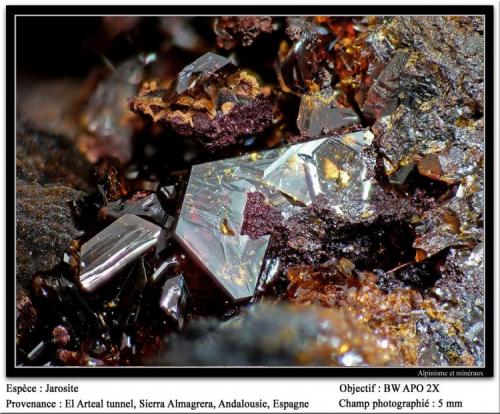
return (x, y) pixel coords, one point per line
(210, 100)
(296, 191)
(420, 337)
(212, 215)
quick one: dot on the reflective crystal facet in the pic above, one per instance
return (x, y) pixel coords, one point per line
(322, 166)
(338, 168)
(399, 177)
(288, 172)
(320, 114)
(210, 221)
(145, 206)
(382, 97)
(198, 71)
(308, 61)
(173, 299)
(111, 250)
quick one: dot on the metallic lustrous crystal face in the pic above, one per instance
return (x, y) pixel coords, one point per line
(322, 166)
(198, 71)
(173, 299)
(149, 207)
(382, 97)
(210, 221)
(304, 66)
(111, 250)
(319, 112)
(287, 173)
(335, 167)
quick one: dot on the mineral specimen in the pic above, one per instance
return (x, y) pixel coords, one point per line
(200, 72)
(110, 179)
(212, 225)
(460, 293)
(210, 100)
(368, 234)
(436, 127)
(442, 149)
(335, 220)
(321, 166)
(60, 336)
(325, 284)
(50, 159)
(424, 332)
(209, 224)
(383, 96)
(26, 318)
(260, 216)
(453, 223)
(118, 245)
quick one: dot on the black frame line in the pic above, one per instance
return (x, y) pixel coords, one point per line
(211, 10)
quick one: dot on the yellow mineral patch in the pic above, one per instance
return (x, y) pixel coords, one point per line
(344, 178)
(226, 107)
(247, 83)
(331, 170)
(226, 228)
(255, 156)
(343, 348)
(293, 163)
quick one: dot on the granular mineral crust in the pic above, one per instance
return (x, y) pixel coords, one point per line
(432, 336)
(47, 158)
(234, 30)
(259, 217)
(26, 318)
(44, 226)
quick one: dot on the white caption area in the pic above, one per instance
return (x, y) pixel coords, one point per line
(478, 395)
